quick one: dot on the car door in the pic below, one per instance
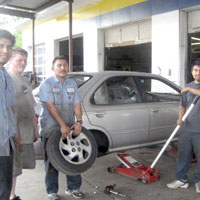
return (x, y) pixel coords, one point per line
(115, 106)
(163, 103)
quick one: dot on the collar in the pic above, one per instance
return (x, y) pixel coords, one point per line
(58, 81)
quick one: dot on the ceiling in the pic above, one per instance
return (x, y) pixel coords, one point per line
(26, 8)
(32, 8)
(40, 9)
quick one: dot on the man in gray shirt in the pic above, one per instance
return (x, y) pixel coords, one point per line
(190, 135)
(8, 127)
(24, 156)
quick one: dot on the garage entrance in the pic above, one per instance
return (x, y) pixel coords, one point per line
(194, 52)
(129, 58)
(128, 47)
(77, 52)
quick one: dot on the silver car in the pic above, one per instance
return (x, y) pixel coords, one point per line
(126, 110)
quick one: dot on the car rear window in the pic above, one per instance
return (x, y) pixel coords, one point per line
(79, 79)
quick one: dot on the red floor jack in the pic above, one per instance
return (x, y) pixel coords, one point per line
(133, 169)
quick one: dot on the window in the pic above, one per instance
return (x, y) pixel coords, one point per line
(158, 91)
(39, 61)
(116, 90)
(80, 79)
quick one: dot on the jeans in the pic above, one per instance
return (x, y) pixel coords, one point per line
(188, 141)
(6, 172)
(52, 175)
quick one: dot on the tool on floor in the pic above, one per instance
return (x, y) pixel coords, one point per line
(133, 169)
(110, 190)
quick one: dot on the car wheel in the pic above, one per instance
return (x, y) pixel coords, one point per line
(72, 156)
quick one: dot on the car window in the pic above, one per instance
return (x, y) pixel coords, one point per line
(79, 79)
(116, 90)
(158, 91)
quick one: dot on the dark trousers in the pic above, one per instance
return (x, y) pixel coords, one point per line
(52, 175)
(187, 142)
(6, 172)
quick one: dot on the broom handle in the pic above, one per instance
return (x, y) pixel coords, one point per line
(174, 132)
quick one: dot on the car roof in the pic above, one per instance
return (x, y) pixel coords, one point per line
(112, 72)
(123, 73)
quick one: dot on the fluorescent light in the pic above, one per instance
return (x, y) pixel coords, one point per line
(197, 43)
(194, 38)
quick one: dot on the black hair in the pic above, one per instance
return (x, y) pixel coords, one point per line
(6, 34)
(59, 58)
(196, 62)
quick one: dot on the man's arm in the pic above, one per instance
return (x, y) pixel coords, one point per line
(78, 112)
(17, 141)
(192, 90)
(181, 113)
(65, 130)
(36, 135)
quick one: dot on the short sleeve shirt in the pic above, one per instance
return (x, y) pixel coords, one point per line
(8, 128)
(64, 96)
(192, 123)
(24, 108)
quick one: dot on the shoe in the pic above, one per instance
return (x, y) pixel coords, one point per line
(53, 196)
(178, 184)
(197, 185)
(75, 193)
(16, 198)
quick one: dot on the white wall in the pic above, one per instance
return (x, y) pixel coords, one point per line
(169, 43)
(49, 33)
(165, 45)
(135, 33)
(183, 47)
(90, 49)
(101, 46)
(193, 21)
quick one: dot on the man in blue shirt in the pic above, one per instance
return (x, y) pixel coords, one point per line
(60, 103)
(8, 129)
(189, 138)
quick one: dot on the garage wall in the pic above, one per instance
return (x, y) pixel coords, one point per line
(123, 26)
(183, 48)
(90, 49)
(165, 45)
(137, 33)
(50, 37)
(193, 21)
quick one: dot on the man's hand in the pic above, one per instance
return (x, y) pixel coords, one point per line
(179, 122)
(18, 140)
(77, 127)
(36, 135)
(194, 91)
(186, 89)
(65, 131)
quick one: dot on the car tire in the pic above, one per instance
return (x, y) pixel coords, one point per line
(72, 156)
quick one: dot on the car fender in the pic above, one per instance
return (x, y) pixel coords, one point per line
(89, 126)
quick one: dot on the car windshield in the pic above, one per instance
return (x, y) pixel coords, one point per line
(80, 79)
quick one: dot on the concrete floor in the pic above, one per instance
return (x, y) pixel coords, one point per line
(30, 185)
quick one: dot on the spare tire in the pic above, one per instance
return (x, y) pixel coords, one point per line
(72, 156)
